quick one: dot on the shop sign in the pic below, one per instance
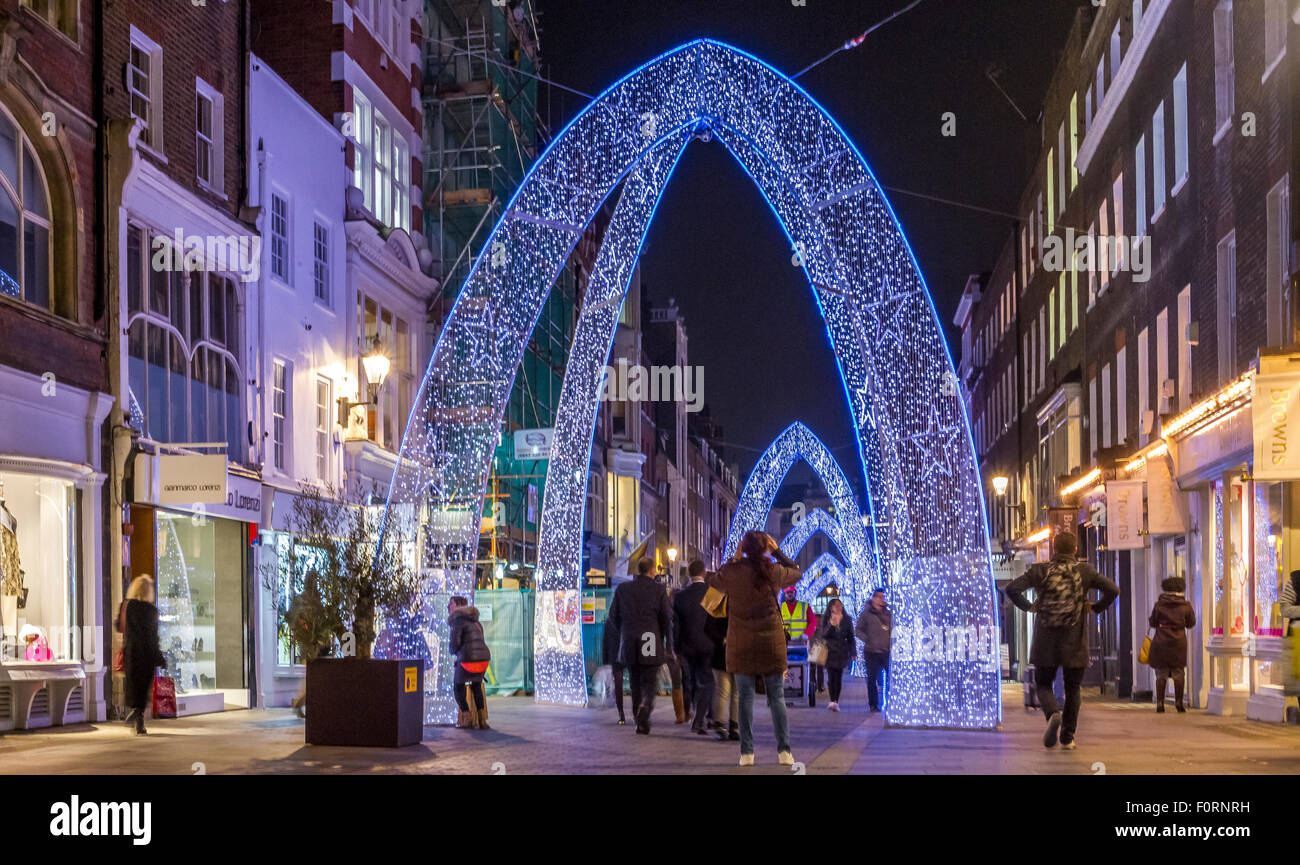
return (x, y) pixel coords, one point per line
(534, 444)
(190, 479)
(1165, 508)
(1275, 410)
(1124, 515)
(243, 501)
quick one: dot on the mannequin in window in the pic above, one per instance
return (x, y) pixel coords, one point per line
(11, 574)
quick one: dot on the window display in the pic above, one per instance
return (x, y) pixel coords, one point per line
(38, 612)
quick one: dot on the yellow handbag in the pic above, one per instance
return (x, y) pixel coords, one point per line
(714, 603)
(1144, 654)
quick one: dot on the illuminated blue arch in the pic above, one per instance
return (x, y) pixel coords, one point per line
(824, 570)
(913, 437)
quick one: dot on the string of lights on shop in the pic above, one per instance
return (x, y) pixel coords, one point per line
(913, 437)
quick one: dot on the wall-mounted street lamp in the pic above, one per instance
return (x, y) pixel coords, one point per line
(1000, 485)
(672, 555)
(376, 365)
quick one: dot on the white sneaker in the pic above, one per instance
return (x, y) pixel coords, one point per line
(834, 707)
(746, 759)
(785, 758)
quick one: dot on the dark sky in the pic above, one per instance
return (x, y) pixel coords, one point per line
(715, 246)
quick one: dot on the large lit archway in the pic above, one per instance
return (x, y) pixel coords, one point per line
(913, 437)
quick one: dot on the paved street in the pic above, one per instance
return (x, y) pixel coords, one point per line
(1117, 738)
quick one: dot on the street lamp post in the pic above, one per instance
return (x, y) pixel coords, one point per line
(376, 365)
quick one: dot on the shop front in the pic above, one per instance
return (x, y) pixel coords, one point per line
(51, 634)
(200, 555)
(1231, 454)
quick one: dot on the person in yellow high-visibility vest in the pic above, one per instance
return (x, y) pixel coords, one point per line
(797, 618)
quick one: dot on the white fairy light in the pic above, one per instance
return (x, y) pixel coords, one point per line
(913, 437)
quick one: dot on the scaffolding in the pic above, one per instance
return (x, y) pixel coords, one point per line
(482, 134)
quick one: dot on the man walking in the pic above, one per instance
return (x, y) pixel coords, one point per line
(694, 646)
(1060, 606)
(875, 627)
(640, 615)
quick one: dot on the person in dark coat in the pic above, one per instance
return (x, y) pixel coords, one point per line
(1171, 616)
(137, 620)
(640, 615)
(875, 629)
(694, 646)
(472, 659)
(726, 699)
(755, 635)
(835, 629)
(609, 655)
(1060, 606)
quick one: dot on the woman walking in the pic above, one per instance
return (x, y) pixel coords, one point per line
(472, 659)
(836, 631)
(1171, 616)
(137, 620)
(726, 699)
(755, 635)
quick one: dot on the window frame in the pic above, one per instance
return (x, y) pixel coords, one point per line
(282, 240)
(151, 136)
(216, 140)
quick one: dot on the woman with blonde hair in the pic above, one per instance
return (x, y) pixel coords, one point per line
(137, 621)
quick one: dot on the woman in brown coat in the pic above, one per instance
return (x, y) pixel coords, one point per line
(1171, 616)
(755, 637)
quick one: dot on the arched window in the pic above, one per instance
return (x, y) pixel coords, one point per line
(25, 249)
(182, 345)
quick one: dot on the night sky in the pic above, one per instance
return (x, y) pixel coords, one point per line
(715, 246)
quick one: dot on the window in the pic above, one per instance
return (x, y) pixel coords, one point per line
(1103, 245)
(25, 227)
(1051, 324)
(144, 85)
(1184, 349)
(1093, 265)
(1094, 431)
(1121, 396)
(1074, 295)
(1062, 170)
(321, 262)
(1060, 311)
(1144, 385)
(401, 185)
(208, 136)
(386, 422)
(1278, 266)
(1180, 127)
(1087, 110)
(1274, 34)
(1137, 17)
(383, 156)
(1120, 245)
(280, 237)
(42, 557)
(1101, 82)
(322, 427)
(1224, 63)
(1105, 406)
(1042, 348)
(1051, 189)
(1074, 141)
(1140, 184)
(1162, 361)
(1227, 307)
(59, 14)
(1158, 179)
(1115, 55)
(182, 350)
(279, 414)
(361, 159)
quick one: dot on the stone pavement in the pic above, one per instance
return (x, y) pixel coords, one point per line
(1115, 738)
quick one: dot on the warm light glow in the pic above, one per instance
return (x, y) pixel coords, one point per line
(1039, 536)
(672, 554)
(376, 365)
(1076, 485)
(1211, 406)
(1000, 485)
(1140, 460)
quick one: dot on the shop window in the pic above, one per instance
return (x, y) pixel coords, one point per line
(38, 586)
(25, 235)
(1269, 562)
(182, 345)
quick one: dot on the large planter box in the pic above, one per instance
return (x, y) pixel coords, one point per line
(370, 702)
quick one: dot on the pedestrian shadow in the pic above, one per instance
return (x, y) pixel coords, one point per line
(457, 737)
(340, 760)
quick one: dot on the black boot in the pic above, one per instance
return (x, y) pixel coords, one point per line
(139, 723)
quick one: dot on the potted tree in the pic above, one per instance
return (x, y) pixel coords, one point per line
(344, 571)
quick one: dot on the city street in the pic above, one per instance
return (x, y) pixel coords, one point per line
(1114, 738)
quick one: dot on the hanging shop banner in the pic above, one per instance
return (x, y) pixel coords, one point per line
(1166, 509)
(187, 479)
(534, 444)
(1275, 410)
(1124, 515)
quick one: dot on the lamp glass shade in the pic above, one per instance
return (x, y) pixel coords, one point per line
(376, 365)
(672, 554)
(1000, 485)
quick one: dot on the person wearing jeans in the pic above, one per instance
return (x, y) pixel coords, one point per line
(1060, 606)
(755, 635)
(875, 630)
(726, 699)
(773, 683)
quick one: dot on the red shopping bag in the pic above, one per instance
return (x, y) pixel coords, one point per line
(164, 697)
